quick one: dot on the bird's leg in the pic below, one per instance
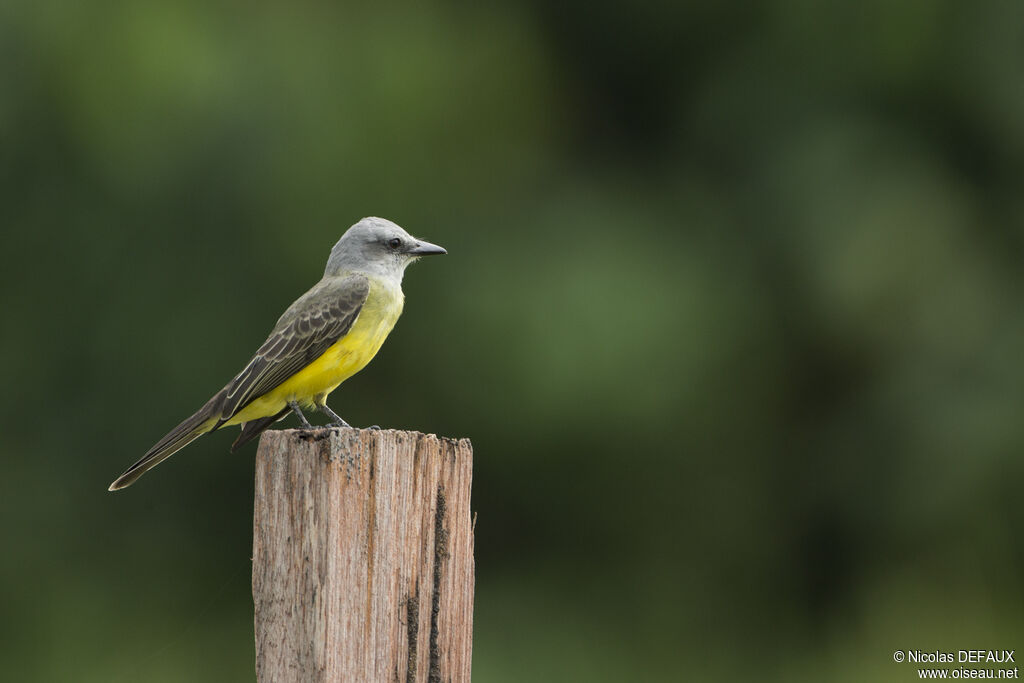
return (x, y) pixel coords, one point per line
(298, 413)
(336, 420)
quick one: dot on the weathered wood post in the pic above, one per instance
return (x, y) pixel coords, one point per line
(362, 557)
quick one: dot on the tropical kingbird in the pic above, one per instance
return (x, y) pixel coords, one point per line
(329, 334)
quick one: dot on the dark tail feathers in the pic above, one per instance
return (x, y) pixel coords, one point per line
(253, 428)
(206, 419)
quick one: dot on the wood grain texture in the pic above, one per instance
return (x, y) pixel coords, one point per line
(362, 557)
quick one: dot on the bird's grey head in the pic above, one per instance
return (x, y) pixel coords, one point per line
(377, 247)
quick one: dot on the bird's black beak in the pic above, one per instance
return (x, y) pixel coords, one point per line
(422, 248)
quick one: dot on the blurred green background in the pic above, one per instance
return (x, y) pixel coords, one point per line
(731, 312)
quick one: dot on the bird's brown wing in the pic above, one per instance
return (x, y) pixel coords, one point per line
(309, 327)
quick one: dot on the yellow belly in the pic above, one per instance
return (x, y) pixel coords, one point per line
(346, 357)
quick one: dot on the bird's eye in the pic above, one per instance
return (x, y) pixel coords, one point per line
(394, 243)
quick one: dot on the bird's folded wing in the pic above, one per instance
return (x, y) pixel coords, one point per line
(309, 327)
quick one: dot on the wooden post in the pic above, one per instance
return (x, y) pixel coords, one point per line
(362, 557)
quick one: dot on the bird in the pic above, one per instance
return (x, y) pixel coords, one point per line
(327, 335)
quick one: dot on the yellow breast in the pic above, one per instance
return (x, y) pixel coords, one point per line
(346, 357)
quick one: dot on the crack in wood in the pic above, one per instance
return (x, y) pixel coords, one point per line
(440, 554)
(314, 434)
(412, 633)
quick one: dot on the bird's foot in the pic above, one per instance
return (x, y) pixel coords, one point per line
(298, 413)
(336, 420)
